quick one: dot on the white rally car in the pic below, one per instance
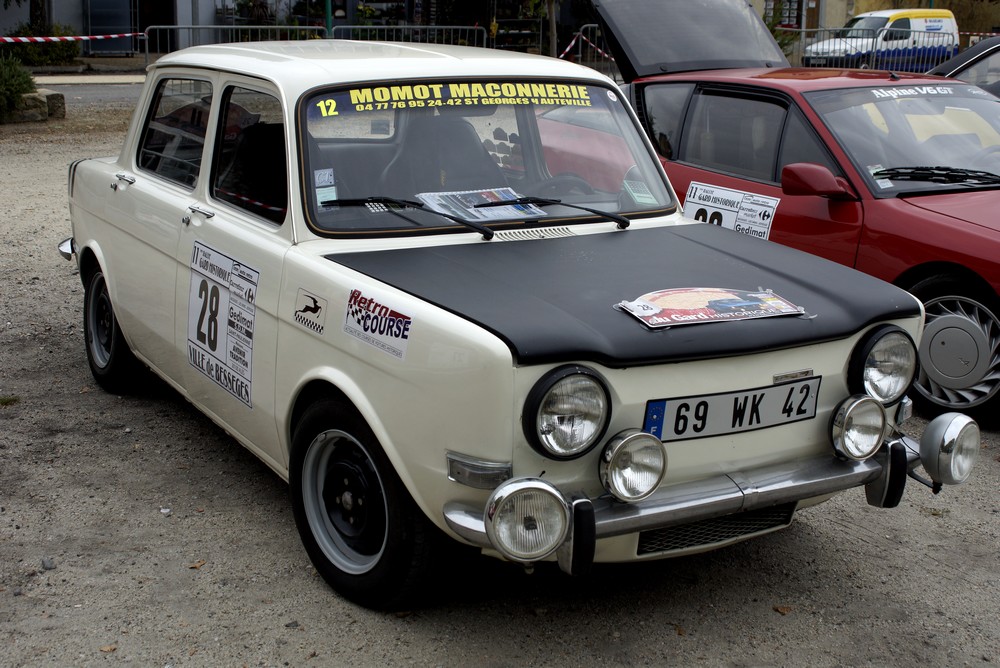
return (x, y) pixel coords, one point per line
(449, 292)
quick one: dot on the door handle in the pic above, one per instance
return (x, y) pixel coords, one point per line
(194, 208)
(123, 177)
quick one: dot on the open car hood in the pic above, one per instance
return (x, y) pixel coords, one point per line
(559, 305)
(649, 37)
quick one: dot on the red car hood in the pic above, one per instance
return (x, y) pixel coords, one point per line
(977, 208)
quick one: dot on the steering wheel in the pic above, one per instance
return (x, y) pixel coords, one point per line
(985, 155)
(562, 184)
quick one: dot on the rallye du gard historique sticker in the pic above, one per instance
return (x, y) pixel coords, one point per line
(689, 306)
(221, 315)
(745, 212)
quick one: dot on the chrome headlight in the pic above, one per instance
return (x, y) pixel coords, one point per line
(858, 427)
(949, 448)
(566, 412)
(526, 519)
(632, 465)
(883, 365)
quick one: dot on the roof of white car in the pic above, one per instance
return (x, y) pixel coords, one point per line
(307, 63)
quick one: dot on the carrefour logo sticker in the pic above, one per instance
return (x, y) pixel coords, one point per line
(377, 324)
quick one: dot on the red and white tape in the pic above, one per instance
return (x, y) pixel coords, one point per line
(67, 38)
(581, 36)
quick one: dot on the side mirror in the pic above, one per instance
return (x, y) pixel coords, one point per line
(807, 178)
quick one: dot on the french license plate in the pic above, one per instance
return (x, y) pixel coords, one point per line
(731, 412)
(818, 61)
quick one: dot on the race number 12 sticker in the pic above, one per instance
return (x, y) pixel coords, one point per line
(221, 315)
(741, 211)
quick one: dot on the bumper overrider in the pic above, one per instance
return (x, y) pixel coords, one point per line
(530, 519)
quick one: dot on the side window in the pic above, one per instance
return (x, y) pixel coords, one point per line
(664, 109)
(738, 135)
(898, 29)
(985, 72)
(250, 169)
(800, 144)
(174, 136)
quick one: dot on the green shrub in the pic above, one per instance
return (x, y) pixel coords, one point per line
(15, 81)
(45, 53)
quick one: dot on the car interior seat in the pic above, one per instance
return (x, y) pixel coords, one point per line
(438, 154)
(256, 178)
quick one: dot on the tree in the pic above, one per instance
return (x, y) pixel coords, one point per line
(38, 14)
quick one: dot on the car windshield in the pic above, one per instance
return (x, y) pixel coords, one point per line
(434, 156)
(894, 133)
(863, 26)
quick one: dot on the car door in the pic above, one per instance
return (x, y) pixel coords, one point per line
(152, 190)
(724, 149)
(229, 267)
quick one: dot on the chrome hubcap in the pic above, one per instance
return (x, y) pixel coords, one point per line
(959, 353)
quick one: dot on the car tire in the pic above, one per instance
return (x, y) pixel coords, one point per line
(959, 350)
(360, 527)
(112, 363)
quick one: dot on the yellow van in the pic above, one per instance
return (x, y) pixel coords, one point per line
(909, 40)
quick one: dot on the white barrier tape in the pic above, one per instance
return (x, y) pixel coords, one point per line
(74, 38)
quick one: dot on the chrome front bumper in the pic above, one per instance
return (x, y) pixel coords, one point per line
(884, 477)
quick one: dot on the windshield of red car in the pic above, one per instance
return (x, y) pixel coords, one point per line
(419, 156)
(913, 125)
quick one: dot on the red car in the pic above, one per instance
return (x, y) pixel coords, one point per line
(897, 175)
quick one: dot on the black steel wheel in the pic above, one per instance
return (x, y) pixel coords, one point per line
(111, 361)
(362, 531)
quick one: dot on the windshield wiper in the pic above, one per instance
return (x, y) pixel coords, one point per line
(407, 203)
(938, 175)
(622, 221)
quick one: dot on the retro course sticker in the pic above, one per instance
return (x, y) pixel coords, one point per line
(377, 324)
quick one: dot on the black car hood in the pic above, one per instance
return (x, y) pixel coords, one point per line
(649, 37)
(553, 300)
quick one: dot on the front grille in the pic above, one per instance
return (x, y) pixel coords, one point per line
(715, 530)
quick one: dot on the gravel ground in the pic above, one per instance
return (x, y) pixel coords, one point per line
(132, 530)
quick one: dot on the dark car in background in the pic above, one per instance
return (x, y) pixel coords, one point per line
(897, 175)
(979, 65)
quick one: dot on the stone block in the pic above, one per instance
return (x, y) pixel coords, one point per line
(55, 101)
(31, 108)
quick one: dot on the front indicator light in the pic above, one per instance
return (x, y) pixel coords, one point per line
(949, 448)
(632, 465)
(858, 428)
(526, 519)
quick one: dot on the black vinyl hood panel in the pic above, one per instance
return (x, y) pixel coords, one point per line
(553, 300)
(649, 37)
